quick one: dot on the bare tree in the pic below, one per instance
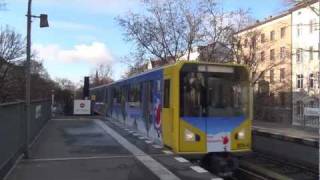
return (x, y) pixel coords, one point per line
(218, 29)
(246, 50)
(101, 74)
(65, 84)
(168, 30)
(271, 95)
(13, 88)
(12, 49)
(135, 69)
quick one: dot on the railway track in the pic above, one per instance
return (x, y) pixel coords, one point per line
(247, 174)
(259, 166)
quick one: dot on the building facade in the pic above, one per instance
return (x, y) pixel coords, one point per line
(267, 47)
(286, 51)
(305, 62)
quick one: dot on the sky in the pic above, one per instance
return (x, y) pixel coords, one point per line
(84, 33)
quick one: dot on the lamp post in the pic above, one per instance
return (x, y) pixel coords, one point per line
(43, 23)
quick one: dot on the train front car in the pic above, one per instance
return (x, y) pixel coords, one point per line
(215, 113)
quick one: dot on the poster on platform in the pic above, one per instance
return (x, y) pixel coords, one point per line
(82, 107)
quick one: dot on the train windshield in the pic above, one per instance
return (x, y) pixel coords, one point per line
(213, 94)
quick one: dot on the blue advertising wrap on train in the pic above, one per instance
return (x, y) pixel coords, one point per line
(214, 125)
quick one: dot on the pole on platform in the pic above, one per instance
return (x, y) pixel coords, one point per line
(43, 23)
(28, 77)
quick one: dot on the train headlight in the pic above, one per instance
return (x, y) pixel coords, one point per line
(188, 135)
(240, 135)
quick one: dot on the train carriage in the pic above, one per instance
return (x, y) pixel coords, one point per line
(190, 107)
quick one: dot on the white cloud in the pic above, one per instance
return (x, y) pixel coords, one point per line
(93, 53)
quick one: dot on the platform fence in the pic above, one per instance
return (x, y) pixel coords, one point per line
(13, 128)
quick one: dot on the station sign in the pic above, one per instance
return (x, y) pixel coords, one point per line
(82, 107)
(311, 111)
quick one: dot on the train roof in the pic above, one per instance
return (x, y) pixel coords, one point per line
(166, 66)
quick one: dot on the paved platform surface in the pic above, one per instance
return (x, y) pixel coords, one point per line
(287, 130)
(82, 148)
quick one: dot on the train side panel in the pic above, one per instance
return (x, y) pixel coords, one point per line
(142, 113)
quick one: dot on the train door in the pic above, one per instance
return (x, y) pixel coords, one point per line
(167, 113)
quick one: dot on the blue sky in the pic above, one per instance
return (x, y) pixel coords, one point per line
(83, 33)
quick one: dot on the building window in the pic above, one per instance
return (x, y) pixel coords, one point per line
(314, 103)
(299, 81)
(315, 25)
(263, 38)
(253, 75)
(282, 74)
(299, 55)
(299, 109)
(282, 53)
(318, 79)
(271, 76)
(311, 26)
(272, 35)
(299, 29)
(283, 32)
(311, 104)
(272, 54)
(253, 42)
(311, 80)
(319, 52)
(262, 56)
(282, 97)
(246, 43)
(262, 75)
(310, 53)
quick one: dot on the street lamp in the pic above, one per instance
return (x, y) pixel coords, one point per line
(43, 23)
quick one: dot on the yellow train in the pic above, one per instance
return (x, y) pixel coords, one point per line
(190, 107)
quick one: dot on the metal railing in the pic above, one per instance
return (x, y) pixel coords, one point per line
(13, 128)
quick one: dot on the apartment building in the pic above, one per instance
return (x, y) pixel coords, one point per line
(287, 53)
(305, 62)
(268, 43)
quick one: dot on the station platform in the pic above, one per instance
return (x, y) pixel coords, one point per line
(83, 148)
(305, 134)
(292, 144)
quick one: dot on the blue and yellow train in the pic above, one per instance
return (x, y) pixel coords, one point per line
(190, 107)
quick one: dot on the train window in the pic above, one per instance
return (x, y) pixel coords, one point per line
(158, 85)
(150, 91)
(147, 86)
(192, 94)
(166, 96)
(208, 94)
(119, 94)
(124, 93)
(134, 93)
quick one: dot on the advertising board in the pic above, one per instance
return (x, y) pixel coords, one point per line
(82, 107)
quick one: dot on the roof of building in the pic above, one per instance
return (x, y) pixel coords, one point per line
(297, 6)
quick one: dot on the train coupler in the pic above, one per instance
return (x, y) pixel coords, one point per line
(221, 164)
